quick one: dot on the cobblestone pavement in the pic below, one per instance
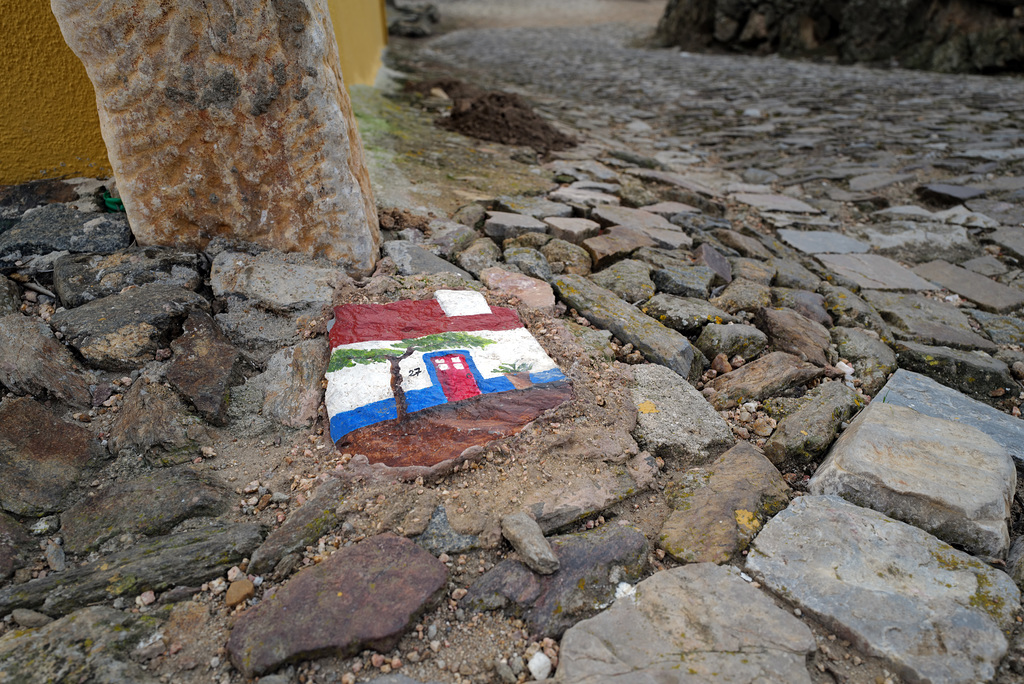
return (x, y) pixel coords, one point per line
(786, 296)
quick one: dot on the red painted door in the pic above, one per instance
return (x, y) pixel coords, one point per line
(456, 379)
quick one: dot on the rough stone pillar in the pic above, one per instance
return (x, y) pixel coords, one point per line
(228, 118)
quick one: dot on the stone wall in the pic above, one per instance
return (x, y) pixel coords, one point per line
(956, 36)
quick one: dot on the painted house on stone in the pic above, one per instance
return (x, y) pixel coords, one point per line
(449, 349)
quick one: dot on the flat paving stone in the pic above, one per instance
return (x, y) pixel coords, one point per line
(42, 458)
(871, 271)
(986, 265)
(926, 320)
(808, 304)
(617, 243)
(412, 259)
(719, 508)
(790, 332)
(637, 219)
(501, 225)
(574, 230)
(876, 181)
(768, 202)
(479, 256)
(1003, 330)
(685, 314)
(947, 193)
(767, 376)
(685, 281)
(566, 257)
(745, 245)
(931, 612)
(850, 310)
(986, 293)
(602, 308)
(1009, 238)
(532, 292)
(802, 437)
(791, 273)
(586, 198)
(701, 617)
(537, 207)
(743, 295)
(364, 596)
(921, 393)
(745, 341)
(872, 359)
(822, 242)
(972, 372)
(81, 278)
(947, 478)
(675, 421)
(917, 241)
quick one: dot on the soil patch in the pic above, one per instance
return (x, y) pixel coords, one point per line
(505, 118)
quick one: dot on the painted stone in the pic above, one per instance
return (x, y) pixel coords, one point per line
(418, 382)
(230, 122)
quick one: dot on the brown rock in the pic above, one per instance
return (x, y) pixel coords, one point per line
(720, 364)
(617, 243)
(719, 509)
(767, 376)
(205, 366)
(155, 422)
(15, 544)
(363, 596)
(231, 123)
(81, 278)
(534, 293)
(239, 591)
(790, 332)
(41, 457)
(33, 362)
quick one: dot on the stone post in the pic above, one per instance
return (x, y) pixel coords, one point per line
(228, 118)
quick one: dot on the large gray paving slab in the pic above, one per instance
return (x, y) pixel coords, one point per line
(926, 320)
(874, 272)
(917, 241)
(674, 420)
(933, 613)
(921, 393)
(985, 292)
(1011, 239)
(822, 242)
(769, 202)
(944, 477)
(695, 623)
(275, 281)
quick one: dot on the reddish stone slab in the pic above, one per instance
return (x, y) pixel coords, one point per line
(407, 319)
(363, 596)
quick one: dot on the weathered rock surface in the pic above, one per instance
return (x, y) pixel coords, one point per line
(205, 366)
(806, 303)
(926, 396)
(550, 604)
(822, 242)
(848, 309)
(566, 257)
(124, 331)
(15, 544)
(60, 228)
(790, 332)
(81, 278)
(699, 615)
(875, 272)
(719, 509)
(152, 503)
(502, 225)
(526, 537)
(1001, 329)
(574, 230)
(629, 279)
(99, 643)
(685, 280)
(304, 526)
(924, 320)
(293, 392)
(986, 293)
(685, 314)
(767, 376)
(364, 596)
(479, 256)
(250, 102)
(560, 504)
(532, 292)
(181, 559)
(41, 457)
(743, 295)
(934, 613)
(617, 243)
(873, 360)
(10, 297)
(674, 421)
(803, 436)
(971, 372)
(412, 259)
(33, 362)
(274, 281)
(528, 260)
(745, 341)
(154, 422)
(440, 537)
(948, 479)
(602, 308)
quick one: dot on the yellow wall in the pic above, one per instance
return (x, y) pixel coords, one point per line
(49, 126)
(362, 32)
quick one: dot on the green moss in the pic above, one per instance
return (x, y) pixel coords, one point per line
(984, 599)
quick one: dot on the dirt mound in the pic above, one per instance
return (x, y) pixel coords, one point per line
(504, 118)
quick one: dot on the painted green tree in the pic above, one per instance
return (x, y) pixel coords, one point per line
(394, 355)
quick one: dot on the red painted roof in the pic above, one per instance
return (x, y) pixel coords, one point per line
(408, 319)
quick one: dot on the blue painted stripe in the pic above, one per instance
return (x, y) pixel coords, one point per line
(553, 375)
(345, 422)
